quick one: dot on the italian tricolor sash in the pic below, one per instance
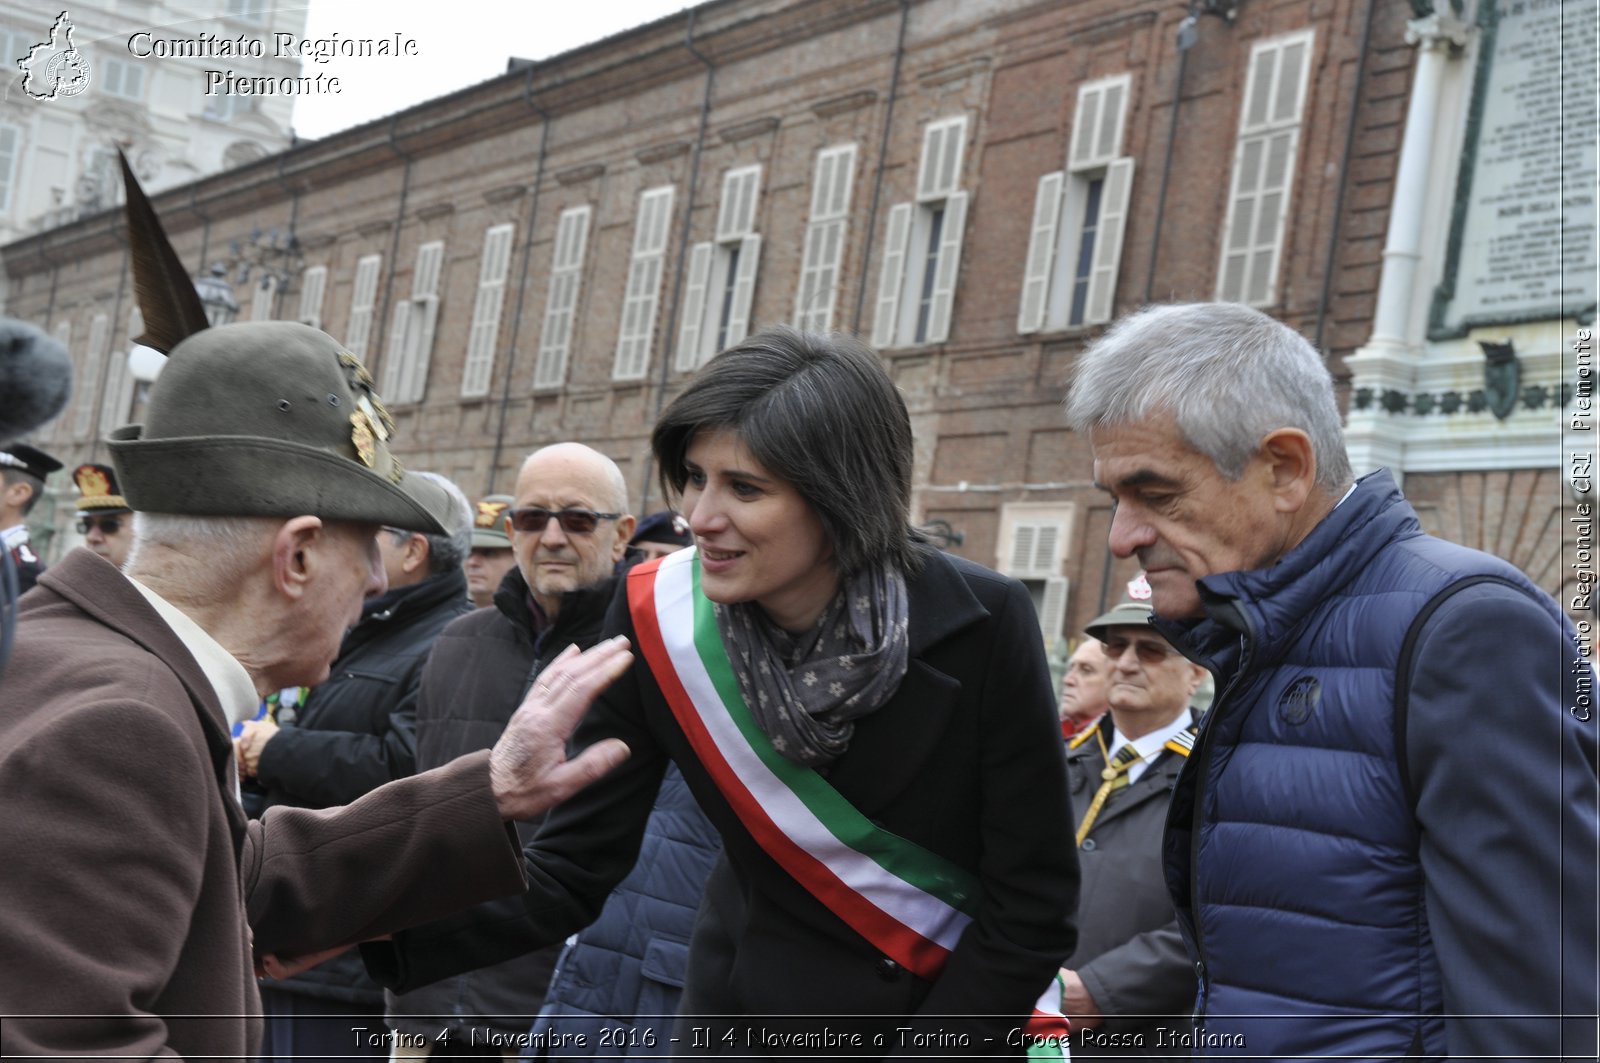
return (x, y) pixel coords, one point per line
(912, 904)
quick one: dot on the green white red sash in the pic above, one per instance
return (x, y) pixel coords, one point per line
(912, 904)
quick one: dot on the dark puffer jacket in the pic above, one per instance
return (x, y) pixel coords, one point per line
(356, 732)
(1365, 875)
(619, 982)
(480, 670)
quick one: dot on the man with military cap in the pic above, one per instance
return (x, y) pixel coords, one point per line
(491, 557)
(104, 519)
(661, 534)
(23, 470)
(140, 902)
(1129, 978)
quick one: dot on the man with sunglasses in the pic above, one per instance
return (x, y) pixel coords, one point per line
(569, 528)
(104, 519)
(1130, 968)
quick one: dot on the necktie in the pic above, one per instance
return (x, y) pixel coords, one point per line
(1116, 777)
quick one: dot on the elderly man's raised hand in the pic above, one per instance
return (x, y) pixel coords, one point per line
(528, 766)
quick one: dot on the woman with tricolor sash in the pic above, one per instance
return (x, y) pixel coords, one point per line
(868, 722)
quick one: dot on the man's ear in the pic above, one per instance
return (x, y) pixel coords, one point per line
(1291, 466)
(625, 525)
(416, 553)
(16, 495)
(292, 547)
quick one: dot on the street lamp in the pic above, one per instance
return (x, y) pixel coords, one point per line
(216, 295)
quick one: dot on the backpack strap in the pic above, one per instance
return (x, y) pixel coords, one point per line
(1406, 664)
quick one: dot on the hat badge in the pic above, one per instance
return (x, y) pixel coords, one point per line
(1139, 589)
(363, 438)
(489, 514)
(93, 483)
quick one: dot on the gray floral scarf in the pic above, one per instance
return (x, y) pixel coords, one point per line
(807, 690)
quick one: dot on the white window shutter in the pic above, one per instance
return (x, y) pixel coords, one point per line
(744, 286)
(944, 279)
(1114, 199)
(694, 308)
(1263, 170)
(1098, 122)
(643, 289)
(1046, 549)
(891, 275)
(736, 216)
(809, 292)
(425, 278)
(1288, 97)
(939, 173)
(1023, 536)
(1053, 609)
(394, 358)
(1085, 123)
(485, 329)
(1113, 104)
(1041, 258)
(364, 293)
(824, 243)
(312, 286)
(566, 269)
(424, 320)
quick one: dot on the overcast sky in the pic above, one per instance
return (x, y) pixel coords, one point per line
(459, 43)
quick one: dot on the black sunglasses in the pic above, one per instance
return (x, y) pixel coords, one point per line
(573, 521)
(107, 525)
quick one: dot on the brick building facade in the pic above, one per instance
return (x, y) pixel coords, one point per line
(975, 186)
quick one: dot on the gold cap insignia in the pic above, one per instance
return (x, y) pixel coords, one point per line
(489, 514)
(363, 438)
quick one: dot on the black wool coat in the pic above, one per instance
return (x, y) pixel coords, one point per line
(965, 759)
(477, 675)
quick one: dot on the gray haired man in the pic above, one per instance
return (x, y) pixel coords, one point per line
(1384, 842)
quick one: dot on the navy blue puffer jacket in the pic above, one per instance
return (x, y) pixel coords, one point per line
(1359, 880)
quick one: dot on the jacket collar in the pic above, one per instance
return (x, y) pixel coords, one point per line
(94, 585)
(938, 603)
(394, 609)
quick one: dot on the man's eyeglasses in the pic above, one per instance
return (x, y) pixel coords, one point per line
(573, 521)
(1149, 651)
(107, 525)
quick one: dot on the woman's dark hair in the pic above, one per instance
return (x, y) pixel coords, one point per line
(819, 411)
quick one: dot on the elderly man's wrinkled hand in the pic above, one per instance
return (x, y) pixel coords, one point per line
(528, 766)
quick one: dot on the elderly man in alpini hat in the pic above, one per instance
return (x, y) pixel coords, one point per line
(140, 903)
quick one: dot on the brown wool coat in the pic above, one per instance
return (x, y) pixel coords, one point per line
(131, 880)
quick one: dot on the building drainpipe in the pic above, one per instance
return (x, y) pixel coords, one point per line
(1161, 211)
(394, 242)
(683, 249)
(883, 153)
(1344, 178)
(522, 285)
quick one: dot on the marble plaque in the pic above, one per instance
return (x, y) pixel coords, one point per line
(1528, 240)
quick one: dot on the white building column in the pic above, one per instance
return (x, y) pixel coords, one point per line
(1388, 360)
